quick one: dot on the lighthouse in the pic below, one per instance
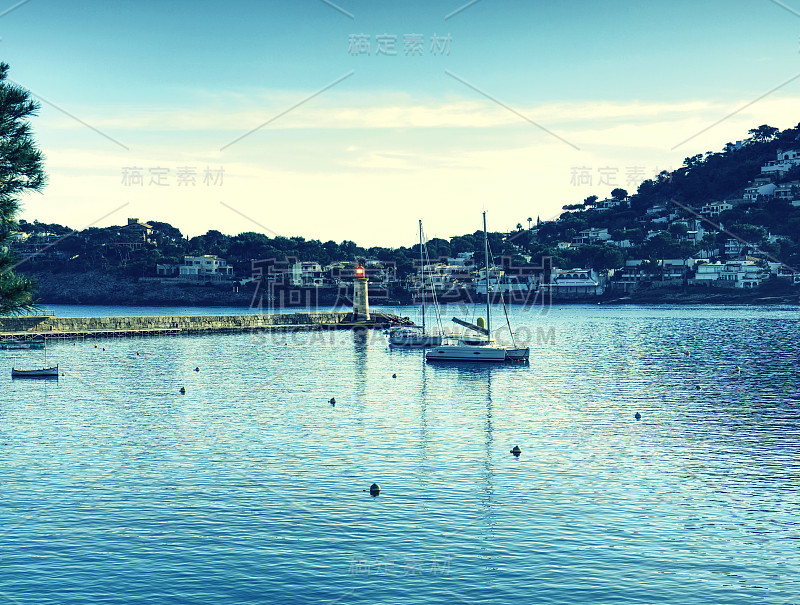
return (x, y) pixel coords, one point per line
(360, 295)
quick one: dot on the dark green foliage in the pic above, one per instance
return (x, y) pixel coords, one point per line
(20, 171)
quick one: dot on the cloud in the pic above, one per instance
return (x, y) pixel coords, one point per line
(340, 112)
(328, 170)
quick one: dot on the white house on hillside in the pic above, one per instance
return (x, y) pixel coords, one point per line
(785, 161)
(714, 209)
(306, 274)
(207, 267)
(752, 192)
(591, 236)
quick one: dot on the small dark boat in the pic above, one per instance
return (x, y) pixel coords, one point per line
(13, 345)
(39, 373)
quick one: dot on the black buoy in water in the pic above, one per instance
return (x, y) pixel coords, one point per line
(638, 416)
(374, 489)
(183, 391)
(332, 401)
(394, 375)
(516, 451)
(197, 369)
(697, 387)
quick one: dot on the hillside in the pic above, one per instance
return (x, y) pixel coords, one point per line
(741, 202)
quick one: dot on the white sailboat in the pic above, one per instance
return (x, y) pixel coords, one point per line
(481, 347)
(417, 336)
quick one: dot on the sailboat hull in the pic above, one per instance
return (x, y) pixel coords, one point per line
(464, 352)
(410, 338)
(518, 354)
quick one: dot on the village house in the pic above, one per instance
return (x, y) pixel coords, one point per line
(204, 268)
(784, 162)
(574, 283)
(743, 274)
(137, 230)
(732, 274)
(715, 209)
(656, 209)
(591, 236)
(735, 247)
(608, 203)
(500, 282)
(753, 192)
(306, 274)
(788, 191)
(706, 273)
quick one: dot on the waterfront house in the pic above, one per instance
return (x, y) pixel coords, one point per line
(500, 282)
(706, 273)
(574, 283)
(205, 268)
(167, 270)
(742, 274)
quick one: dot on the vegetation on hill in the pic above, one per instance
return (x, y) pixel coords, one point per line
(650, 224)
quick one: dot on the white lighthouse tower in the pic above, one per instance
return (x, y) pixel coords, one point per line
(360, 295)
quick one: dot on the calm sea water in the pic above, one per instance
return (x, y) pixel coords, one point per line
(250, 487)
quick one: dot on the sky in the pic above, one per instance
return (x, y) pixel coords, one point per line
(352, 119)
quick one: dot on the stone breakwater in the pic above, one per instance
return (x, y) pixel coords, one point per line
(76, 327)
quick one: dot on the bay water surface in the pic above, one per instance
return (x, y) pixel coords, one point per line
(250, 487)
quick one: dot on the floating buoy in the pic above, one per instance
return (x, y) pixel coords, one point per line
(332, 401)
(183, 391)
(516, 451)
(95, 346)
(687, 353)
(761, 331)
(374, 489)
(394, 375)
(697, 387)
(738, 369)
(104, 348)
(197, 369)
(137, 352)
(638, 416)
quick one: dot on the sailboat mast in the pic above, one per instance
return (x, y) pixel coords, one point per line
(486, 256)
(422, 276)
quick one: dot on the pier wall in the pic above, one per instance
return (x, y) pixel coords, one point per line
(184, 324)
